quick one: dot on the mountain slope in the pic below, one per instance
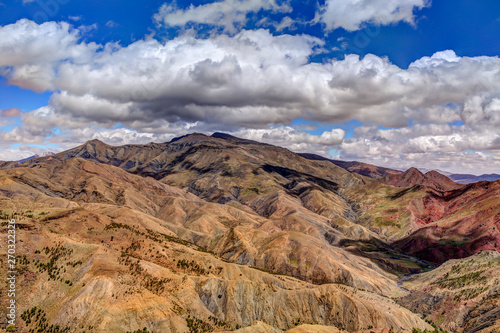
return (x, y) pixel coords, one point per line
(457, 224)
(432, 225)
(222, 201)
(364, 169)
(117, 252)
(461, 295)
(413, 176)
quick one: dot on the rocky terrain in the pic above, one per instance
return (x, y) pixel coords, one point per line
(461, 295)
(216, 233)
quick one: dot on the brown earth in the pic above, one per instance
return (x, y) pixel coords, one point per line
(185, 233)
(461, 295)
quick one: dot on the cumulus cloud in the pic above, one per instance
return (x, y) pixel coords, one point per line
(252, 84)
(228, 14)
(287, 136)
(353, 14)
(456, 148)
(29, 53)
(251, 79)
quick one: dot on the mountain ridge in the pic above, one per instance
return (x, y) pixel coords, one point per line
(250, 208)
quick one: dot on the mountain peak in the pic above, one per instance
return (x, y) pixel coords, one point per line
(413, 176)
(413, 170)
(434, 173)
(224, 136)
(94, 142)
(192, 137)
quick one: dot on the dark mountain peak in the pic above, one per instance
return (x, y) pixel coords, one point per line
(191, 137)
(236, 140)
(224, 136)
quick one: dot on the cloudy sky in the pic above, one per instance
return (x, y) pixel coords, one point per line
(396, 83)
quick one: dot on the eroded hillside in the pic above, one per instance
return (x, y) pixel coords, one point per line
(220, 233)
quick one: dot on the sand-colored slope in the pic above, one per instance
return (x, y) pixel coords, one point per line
(255, 237)
(111, 275)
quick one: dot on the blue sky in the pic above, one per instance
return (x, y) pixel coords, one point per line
(411, 83)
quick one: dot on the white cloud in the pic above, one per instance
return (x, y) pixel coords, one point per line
(252, 79)
(353, 14)
(252, 84)
(228, 14)
(464, 148)
(288, 136)
(29, 53)
(16, 154)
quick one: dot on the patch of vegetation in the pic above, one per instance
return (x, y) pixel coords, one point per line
(382, 222)
(74, 263)
(155, 236)
(469, 293)
(219, 323)
(294, 262)
(461, 281)
(147, 281)
(5, 216)
(23, 260)
(192, 266)
(35, 320)
(251, 189)
(144, 330)
(196, 325)
(51, 267)
(158, 236)
(435, 330)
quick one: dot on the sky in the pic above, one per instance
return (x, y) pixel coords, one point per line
(396, 83)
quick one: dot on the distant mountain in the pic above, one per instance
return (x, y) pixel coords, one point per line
(413, 176)
(364, 169)
(49, 153)
(468, 179)
(465, 178)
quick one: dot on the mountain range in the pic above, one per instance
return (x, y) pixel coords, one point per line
(217, 233)
(379, 172)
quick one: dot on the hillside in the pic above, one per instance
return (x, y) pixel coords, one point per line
(461, 295)
(361, 168)
(413, 176)
(432, 225)
(101, 238)
(220, 220)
